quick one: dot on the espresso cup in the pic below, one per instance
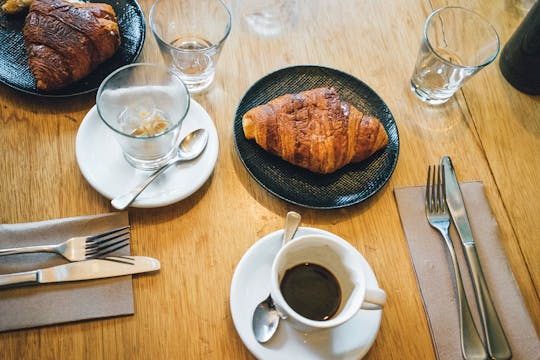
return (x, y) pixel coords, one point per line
(317, 282)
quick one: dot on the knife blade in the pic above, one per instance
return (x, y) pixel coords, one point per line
(496, 340)
(83, 270)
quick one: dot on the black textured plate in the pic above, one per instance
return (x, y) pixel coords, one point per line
(14, 69)
(349, 185)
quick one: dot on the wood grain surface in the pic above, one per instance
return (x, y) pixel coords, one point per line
(491, 131)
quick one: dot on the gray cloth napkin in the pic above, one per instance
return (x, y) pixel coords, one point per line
(435, 277)
(33, 306)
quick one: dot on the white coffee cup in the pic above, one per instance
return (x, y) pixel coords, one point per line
(343, 261)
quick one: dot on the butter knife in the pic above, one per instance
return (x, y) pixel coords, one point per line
(497, 343)
(83, 270)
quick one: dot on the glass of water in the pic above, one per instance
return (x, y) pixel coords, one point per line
(457, 43)
(144, 105)
(190, 35)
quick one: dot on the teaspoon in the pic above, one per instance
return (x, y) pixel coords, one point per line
(191, 146)
(266, 317)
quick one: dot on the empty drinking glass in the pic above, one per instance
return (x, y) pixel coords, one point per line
(268, 17)
(144, 105)
(457, 43)
(190, 35)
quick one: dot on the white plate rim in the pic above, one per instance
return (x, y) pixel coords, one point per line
(196, 116)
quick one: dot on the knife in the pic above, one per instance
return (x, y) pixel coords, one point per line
(83, 270)
(496, 340)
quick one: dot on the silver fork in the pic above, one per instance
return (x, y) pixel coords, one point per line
(81, 247)
(438, 217)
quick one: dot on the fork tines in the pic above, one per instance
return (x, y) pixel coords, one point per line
(435, 193)
(108, 242)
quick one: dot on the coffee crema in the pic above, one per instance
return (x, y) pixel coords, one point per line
(312, 291)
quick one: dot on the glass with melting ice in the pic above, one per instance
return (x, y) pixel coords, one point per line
(144, 105)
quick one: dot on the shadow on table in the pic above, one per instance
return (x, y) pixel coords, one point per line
(47, 105)
(167, 213)
(280, 207)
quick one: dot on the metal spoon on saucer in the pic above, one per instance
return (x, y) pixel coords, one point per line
(266, 317)
(191, 146)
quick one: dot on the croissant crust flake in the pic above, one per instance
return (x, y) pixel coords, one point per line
(314, 129)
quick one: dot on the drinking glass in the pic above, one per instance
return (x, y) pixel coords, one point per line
(268, 17)
(190, 35)
(144, 105)
(456, 44)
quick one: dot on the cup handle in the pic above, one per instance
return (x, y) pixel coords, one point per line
(374, 299)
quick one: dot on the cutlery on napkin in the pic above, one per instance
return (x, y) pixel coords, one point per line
(26, 307)
(433, 273)
(99, 268)
(494, 336)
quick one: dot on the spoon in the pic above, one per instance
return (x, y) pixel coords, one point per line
(191, 146)
(266, 317)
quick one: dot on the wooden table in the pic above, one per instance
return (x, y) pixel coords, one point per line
(491, 131)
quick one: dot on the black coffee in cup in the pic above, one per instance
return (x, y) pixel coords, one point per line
(312, 291)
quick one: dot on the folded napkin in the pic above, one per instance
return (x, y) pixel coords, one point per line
(32, 306)
(435, 276)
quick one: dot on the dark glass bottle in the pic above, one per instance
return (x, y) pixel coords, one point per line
(520, 57)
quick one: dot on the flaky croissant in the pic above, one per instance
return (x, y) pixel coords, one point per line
(315, 130)
(15, 6)
(66, 41)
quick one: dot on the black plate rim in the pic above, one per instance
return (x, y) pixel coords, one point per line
(132, 59)
(292, 201)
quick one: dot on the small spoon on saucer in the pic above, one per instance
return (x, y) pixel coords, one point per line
(266, 317)
(191, 146)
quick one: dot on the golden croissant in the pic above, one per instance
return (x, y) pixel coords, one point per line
(67, 41)
(314, 129)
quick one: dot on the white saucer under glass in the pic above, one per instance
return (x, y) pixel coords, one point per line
(103, 165)
(250, 285)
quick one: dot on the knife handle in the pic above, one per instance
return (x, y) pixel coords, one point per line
(496, 340)
(471, 344)
(27, 277)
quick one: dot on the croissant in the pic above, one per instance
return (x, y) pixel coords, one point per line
(315, 130)
(11, 7)
(66, 41)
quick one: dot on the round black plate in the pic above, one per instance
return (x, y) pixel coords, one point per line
(14, 69)
(349, 185)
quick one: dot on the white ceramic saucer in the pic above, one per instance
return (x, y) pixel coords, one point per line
(103, 165)
(250, 285)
